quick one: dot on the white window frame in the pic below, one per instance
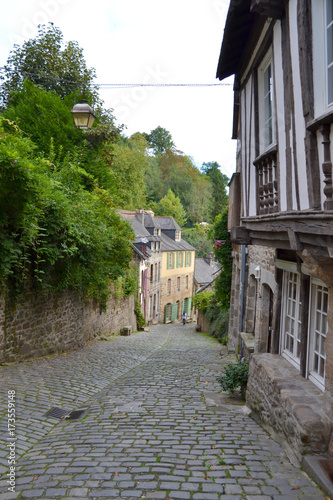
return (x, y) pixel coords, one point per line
(313, 329)
(290, 277)
(320, 57)
(267, 131)
(317, 331)
(329, 63)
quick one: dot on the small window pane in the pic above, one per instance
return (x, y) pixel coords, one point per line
(329, 11)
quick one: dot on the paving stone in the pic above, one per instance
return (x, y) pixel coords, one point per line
(32, 494)
(148, 430)
(79, 492)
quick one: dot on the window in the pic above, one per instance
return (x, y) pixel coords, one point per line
(315, 329)
(178, 284)
(188, 259)
(169, 286)
(170, 260)
(152, 273)
(266, 104)
(178, 235)
(157, 231)
(291, 320)
(317, 334)
(155, 275)
(329, 47)
(152, 246)
(179, 259)
(186, 282)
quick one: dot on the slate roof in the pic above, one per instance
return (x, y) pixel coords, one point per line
(205, 273)
(167, 223)
(139, 230)
(170, 245)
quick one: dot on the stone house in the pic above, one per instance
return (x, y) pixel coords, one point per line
(148, 256)
(177, 267)
(281, 211)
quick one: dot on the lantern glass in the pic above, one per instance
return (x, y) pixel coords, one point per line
(83, 115)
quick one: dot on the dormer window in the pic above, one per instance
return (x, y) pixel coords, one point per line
(178, 235)
(157, 231)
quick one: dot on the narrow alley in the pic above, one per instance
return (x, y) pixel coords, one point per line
(154, 425)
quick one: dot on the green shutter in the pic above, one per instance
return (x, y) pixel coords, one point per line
(189, 304)
(167, 313)
(174, 311)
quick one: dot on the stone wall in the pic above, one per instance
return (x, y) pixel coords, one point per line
(202, 322)
(290, 404)
(173, 294)
(40, 325)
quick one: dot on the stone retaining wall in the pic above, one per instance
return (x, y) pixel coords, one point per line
(290, 404)
(202, 322)
(40, 325)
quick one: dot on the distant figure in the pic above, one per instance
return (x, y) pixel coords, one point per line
(184, 317)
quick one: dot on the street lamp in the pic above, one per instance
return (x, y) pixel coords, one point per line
(83, 115)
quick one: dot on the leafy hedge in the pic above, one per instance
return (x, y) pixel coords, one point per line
(58, 229)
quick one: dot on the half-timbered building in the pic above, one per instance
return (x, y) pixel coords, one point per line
(281, 211)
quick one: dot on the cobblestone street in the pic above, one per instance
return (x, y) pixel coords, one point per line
(156, 426)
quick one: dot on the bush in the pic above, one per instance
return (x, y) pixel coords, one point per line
(141, 322)
(55, 234)
(234, 377)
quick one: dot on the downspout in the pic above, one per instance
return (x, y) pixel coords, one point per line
(242, 299)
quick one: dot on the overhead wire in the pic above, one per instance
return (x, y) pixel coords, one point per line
(120, 85)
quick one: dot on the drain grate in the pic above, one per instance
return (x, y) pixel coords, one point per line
(327, 465)
(57, 413)
(61, 413)
(76, 414)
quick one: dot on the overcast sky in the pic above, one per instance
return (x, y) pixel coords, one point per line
(146, 41)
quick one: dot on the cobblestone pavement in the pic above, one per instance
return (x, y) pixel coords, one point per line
(156, 426)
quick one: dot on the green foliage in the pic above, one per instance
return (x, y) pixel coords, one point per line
(192, 188)
(130, 160)
(218, 321)
(170, 206)
(160, 140)
(140, 319)
(55, 234)
(234, 377)
(199, 239)
(202, 300)
(45, 118)
(217, 318)
(47, 63)
(219, 231)
(219, 183)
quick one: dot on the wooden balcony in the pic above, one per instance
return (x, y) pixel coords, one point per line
(267, 182)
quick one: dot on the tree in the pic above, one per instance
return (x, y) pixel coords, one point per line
(219, 183)
(198, 238)
(222, 253)
(54, 233)
(170, 206)
(47, 63)
(160, 140)
(188, 183)
(44, 117)
(130, 161)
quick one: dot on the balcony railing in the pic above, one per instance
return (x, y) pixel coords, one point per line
(267, 183)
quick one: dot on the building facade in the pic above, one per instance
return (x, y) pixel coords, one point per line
(177, 268)
(281, 211)
(148, 256)
(166, 266)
